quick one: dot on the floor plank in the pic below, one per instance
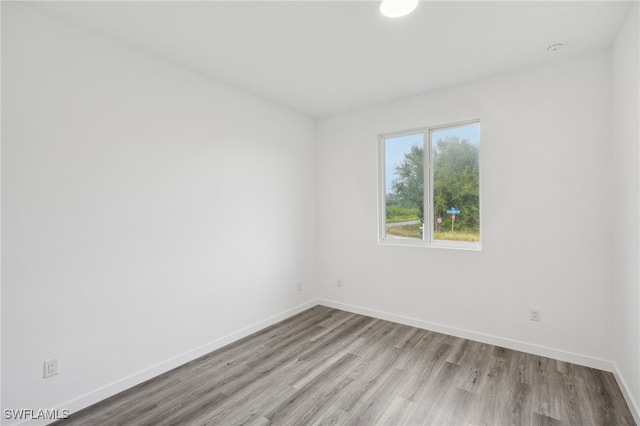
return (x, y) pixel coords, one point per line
(329, 367)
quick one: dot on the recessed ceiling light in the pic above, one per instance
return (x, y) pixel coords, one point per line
(397, 8)
(555, 47)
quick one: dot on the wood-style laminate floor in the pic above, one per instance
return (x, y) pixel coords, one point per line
(330, 367)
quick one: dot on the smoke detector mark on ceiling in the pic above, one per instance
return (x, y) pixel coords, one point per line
(555, 47)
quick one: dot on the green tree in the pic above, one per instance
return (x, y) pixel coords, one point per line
(408, 186)
(456, 174)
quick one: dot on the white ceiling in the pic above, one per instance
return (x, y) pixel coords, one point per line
(326, 57)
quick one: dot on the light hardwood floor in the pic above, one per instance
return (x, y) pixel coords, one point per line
(330, 367)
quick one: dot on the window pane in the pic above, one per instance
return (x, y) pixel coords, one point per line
(456, 183)
(404, 186)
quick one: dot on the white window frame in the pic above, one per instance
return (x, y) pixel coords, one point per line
(428, 225)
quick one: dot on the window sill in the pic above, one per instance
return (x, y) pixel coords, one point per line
(412, 242)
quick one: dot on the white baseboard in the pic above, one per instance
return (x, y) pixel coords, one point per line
(479, 337)
(98, 395)
(634, 407)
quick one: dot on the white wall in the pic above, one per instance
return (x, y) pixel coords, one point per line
(626, 187)
(546, 211)
(148, 213)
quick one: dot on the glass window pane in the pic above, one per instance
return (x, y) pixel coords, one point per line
(404, 186)
(456, 183)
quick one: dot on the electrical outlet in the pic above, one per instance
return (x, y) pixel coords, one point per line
(534, 314)
(50, 368)
(339, 282)
(299, 286)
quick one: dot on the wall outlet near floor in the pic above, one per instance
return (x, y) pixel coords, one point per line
(534, 314)
(339, 282)
(50, 368)
(299, 286)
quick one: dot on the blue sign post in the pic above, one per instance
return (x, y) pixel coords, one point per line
(453, 212)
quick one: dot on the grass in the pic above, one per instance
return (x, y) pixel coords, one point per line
(457, 236)
(413, 231)
(401, 219)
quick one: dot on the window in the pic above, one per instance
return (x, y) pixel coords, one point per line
(430, 186)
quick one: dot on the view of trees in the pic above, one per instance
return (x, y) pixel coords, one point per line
(455, 184)
(408, 187)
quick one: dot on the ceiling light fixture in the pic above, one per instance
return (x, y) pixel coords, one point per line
(397, 8)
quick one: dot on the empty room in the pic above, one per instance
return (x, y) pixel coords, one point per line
(320, 212)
